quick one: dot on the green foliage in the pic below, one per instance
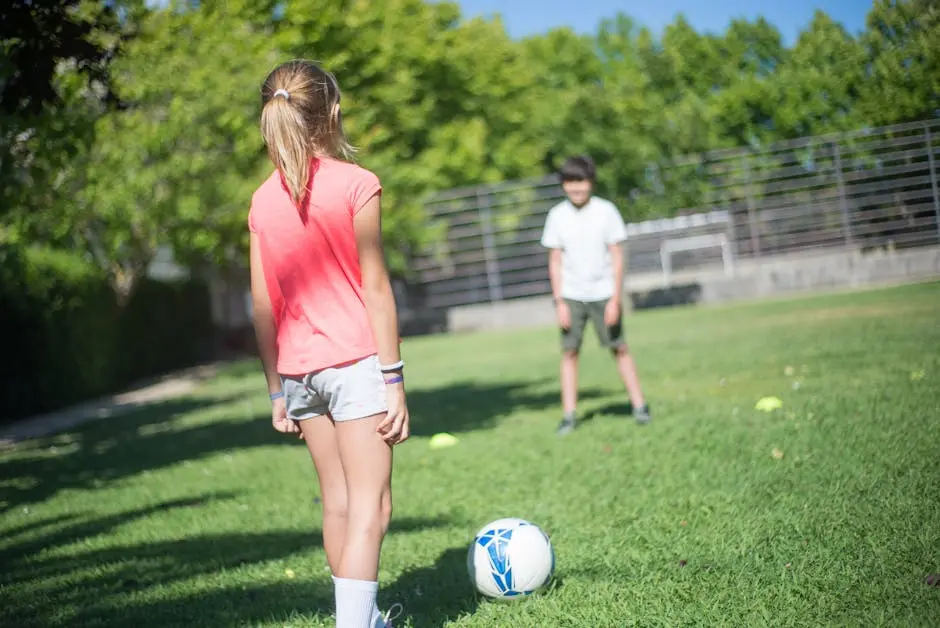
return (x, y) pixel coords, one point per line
(902, 43)
(432, 101)
(57, 314)
(39, 134)
(66, 339)
(177, 165)
(166, 326)
(817, 89)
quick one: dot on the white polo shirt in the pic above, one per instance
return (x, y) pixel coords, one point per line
(583, 235)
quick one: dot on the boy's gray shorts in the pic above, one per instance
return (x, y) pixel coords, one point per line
(352, 391)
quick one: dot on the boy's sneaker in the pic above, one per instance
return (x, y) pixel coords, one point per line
(642, 414)
(566, 426)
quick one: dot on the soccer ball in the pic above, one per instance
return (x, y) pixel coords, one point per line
(510, 558)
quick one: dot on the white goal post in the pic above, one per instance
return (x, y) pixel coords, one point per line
(694, 243)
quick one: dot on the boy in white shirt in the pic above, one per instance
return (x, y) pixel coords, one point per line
(585, 235)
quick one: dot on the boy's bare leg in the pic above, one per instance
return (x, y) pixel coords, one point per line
(631, 381)
(569, 382)
(569, 391)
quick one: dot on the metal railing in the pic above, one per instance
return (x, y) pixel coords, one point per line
(867, 189)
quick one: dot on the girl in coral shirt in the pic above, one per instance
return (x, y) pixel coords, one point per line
(326, 323)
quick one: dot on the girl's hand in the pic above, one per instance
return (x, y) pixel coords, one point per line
(395, 428)
(280, 421)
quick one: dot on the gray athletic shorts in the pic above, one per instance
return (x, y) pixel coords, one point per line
(352, 391)
(610, 337)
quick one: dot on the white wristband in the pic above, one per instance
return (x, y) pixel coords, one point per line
(392, 367)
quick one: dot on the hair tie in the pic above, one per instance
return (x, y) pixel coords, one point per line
(282, 92)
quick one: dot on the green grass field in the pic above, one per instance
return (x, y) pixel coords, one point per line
(194, 512)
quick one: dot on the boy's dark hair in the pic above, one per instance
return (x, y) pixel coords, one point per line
(580, 168)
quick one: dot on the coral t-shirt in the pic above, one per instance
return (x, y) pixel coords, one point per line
(311, 266)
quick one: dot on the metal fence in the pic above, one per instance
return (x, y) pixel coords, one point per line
(868, 189)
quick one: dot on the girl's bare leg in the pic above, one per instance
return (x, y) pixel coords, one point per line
(320, 436)
(367, 464)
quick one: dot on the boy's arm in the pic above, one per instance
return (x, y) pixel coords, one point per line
(554, 273)
(562, 310)
(616, 236)
(263, 317)
(616, 261)
(552, 241)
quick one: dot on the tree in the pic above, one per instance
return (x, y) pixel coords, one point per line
(176, 166)
(568, 72)
(38, 37)
(432, 101)
(902, 76)
(743, 108)
(46, 48)
(818, 87)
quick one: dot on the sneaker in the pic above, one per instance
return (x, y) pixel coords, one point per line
(394, 612)
(642, 415)
(566, 426)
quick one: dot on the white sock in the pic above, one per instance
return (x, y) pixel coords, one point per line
(355, 603)
(377, 620)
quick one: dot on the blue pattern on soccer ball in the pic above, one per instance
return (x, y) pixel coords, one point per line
(496, 542)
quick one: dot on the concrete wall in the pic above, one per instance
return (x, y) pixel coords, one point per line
(752, 279)
(832, 271)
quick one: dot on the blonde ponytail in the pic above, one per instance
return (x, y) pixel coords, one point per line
(300, 121)
(288, 139)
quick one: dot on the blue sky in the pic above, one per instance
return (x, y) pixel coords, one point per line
(526, 17)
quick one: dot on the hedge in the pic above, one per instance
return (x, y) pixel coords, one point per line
(65, 339)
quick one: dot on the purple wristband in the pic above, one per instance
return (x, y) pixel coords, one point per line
(395, 380)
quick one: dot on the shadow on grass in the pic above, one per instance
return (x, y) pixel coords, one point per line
(14, 551)
(618, 409)
(435, 594)
(191, 581)
(468, 406)
(151, 438)
(113, 449)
